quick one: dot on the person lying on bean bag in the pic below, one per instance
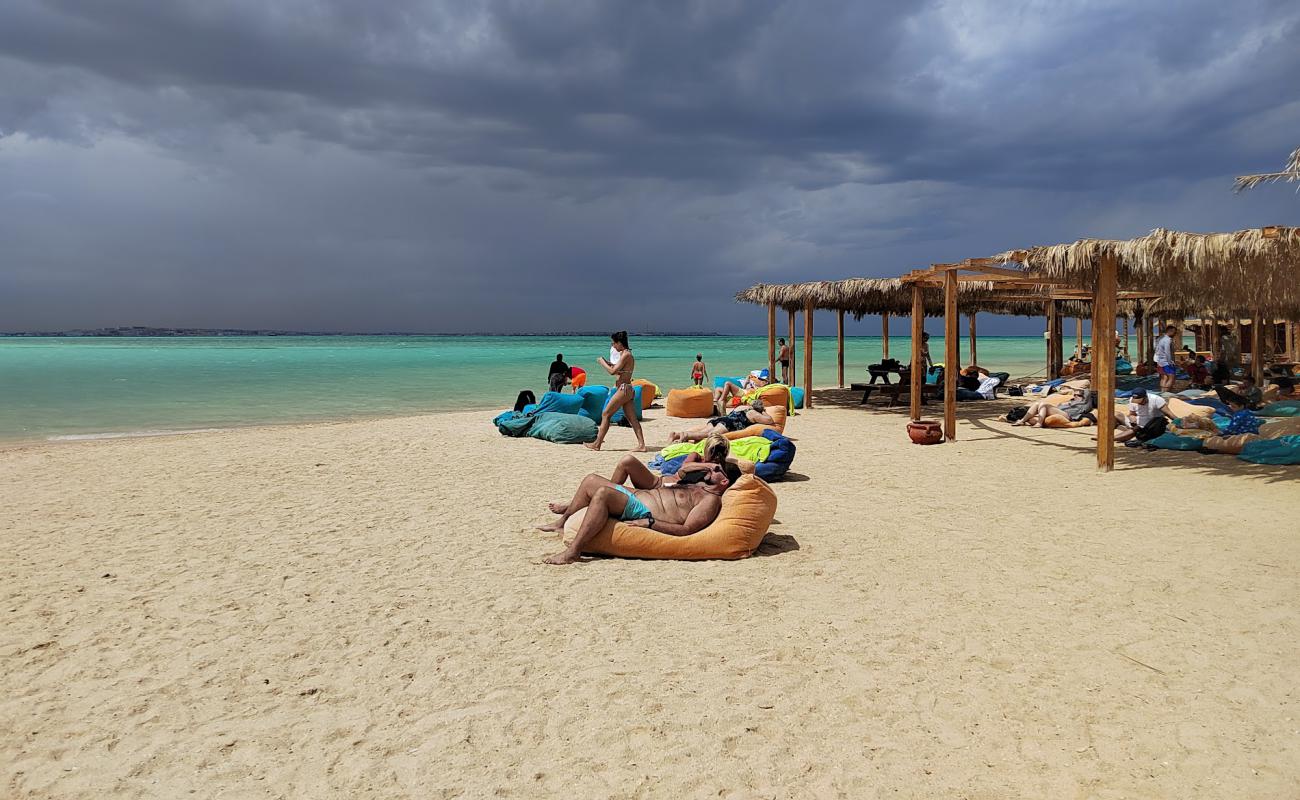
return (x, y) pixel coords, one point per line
(680, 509)
(739, 418)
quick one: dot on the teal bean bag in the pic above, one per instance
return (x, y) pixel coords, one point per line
(1172, 441)
(1282, 450)
(562, 428)
(1281, 408)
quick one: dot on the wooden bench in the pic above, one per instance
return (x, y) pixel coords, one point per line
(895, 391)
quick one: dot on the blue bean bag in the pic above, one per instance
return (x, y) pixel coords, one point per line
(1123, 366)
(593, 401)
(1282, 450)
(796, 396)
(779, 458)
(556, 402)
(718, 383)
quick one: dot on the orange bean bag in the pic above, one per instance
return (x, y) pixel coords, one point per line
(778, 415)
(648, 392)
(1181, 408)
(1229, 444)
(693, 403)
(1284, 426)
(747, 512)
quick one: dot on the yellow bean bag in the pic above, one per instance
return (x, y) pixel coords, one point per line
(1181, 408)
(747, 512)
(648, 392)
(693, 403)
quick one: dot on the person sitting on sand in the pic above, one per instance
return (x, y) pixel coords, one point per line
(1243, 420)
(679, 509)
(558, 375)
(757, 379)
(1198, 372)
(699, 372)
(741, 417)
(623, 396)
(1251, 391)
(1148, 416)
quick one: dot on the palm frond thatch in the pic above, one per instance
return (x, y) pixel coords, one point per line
(1223, 274)
(1290, 175)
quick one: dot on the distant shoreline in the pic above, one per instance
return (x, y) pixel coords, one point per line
(210, 333)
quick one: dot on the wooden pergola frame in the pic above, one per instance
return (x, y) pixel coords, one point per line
(1019, 286)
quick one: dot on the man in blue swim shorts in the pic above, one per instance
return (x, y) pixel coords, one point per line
(679, 509)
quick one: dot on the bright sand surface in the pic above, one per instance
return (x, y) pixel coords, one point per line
(357, 610)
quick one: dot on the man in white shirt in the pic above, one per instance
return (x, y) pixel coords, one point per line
(1165, 359)
(1148, 417)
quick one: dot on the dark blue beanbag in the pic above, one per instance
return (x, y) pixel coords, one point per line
(779, 458)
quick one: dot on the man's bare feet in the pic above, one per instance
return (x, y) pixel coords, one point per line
(592, 446)
(552, 527)
(560, 559)
(641, 449)
(558, 507)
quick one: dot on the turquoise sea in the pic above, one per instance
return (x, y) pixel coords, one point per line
(89, 387)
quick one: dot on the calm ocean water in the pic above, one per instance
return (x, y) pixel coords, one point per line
(74, 387)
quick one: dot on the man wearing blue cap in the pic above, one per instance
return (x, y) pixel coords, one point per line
(1148, 417)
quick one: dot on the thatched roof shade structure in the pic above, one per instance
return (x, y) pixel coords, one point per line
(1249, 272)
(867, 296)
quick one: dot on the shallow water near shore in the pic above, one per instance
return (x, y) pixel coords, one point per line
(109, 387)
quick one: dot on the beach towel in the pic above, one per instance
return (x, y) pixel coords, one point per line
(750, 448)
(1283, 450)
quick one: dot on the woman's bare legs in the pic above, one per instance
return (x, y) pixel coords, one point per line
(624, 399)
(724, 393)
(629, 466)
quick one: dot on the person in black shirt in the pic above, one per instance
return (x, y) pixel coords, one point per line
(558, 374)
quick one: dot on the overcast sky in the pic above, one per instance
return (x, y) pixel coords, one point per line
(530, 166)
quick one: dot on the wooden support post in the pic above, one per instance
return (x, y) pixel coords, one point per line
(1139, 326)
(1078, 334)
(884, 336)
(918, 364)
(794, 380)
(839, 339)
(1058, 340)
(1103, 359)
(771, 341)
(974, 359)
(1257, 349)
(1126, 350)
(1152, 334)
(807, 356)
(951, 357)
(1049, 309)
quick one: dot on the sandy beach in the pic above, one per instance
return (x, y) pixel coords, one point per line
(357, 610)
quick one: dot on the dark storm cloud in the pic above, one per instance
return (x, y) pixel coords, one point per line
(476, 166)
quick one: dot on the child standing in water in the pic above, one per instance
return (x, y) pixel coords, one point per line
(623, 397)
(698, 371)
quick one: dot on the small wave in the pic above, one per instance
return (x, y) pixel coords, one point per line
(80, 437)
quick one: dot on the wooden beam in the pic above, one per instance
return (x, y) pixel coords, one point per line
(951, 357)
(839, 340)
(771, 341)
(918, 365)
(974, 359)
(794, 381)
(1103, 359)
(807, 356)
(884, 336)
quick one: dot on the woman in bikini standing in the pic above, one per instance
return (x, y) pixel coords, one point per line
(623, 396)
